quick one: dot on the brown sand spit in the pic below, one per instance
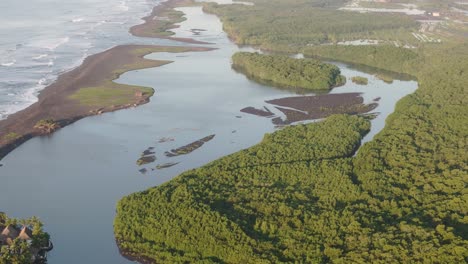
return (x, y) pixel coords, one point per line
(161, 20)
(302, 108)
(71, 96)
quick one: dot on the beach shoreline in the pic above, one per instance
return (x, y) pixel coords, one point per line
(96, 71)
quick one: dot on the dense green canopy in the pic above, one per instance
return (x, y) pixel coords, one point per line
(296, 23)
(300, 196)
(284, 71)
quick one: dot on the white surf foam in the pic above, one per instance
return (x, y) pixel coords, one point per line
(50, 44)
(122, 6)
(40, 56)
(76, 20)
(42, 81)
(8, 64)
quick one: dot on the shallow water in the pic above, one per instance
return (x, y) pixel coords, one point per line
(73, 179)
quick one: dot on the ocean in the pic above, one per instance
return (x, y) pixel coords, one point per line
(39, 39)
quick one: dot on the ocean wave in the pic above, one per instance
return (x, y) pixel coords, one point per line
(8, 64)
(117, 22)
(42, 81)
(50, 44)
(40, 56)
(98, 24)
(122, 6)
(59, 43)
(76, 20)
(22, 100)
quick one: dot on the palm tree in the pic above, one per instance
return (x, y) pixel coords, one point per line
(47, 126)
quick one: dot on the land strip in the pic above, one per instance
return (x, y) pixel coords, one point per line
(163, 18)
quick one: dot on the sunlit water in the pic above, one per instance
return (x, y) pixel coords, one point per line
(73, 179)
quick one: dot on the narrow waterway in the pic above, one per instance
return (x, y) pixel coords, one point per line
(73, 179)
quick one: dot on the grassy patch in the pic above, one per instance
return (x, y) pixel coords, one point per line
(11, 136)
(144, 51)
(166, 21)
(360, 80)
(110, 94)
(384, 78)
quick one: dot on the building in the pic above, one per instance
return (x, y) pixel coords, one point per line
(9, 233)
(25, 234)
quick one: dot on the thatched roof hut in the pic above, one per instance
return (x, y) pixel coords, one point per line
(8, 234)
(25, 234)
(11, 232)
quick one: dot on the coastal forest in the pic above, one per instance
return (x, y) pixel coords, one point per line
(311, 193)
(295, 23)
(283, 71)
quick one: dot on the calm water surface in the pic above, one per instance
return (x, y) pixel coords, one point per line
(73, 179)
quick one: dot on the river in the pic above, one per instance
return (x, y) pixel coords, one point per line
(73, 179)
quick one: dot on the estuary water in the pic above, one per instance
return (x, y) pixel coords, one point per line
(73, 179)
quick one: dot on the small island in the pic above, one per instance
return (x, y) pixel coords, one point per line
(384, 77)
(360, 80)
(283, 71)
(23, 240)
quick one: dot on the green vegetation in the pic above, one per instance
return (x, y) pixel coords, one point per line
(110, 94)
(163, 18)
(360, 80)
(300, 196)
(255, 206)
(385, 57)
(381, 5)
(17, 247)
(385, 78)
(295, 197)
(166, 21)
(294, 23)
(11, 136)
(47, 126)
(288, 72)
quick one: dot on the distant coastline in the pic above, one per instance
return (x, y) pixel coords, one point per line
(168, 17)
